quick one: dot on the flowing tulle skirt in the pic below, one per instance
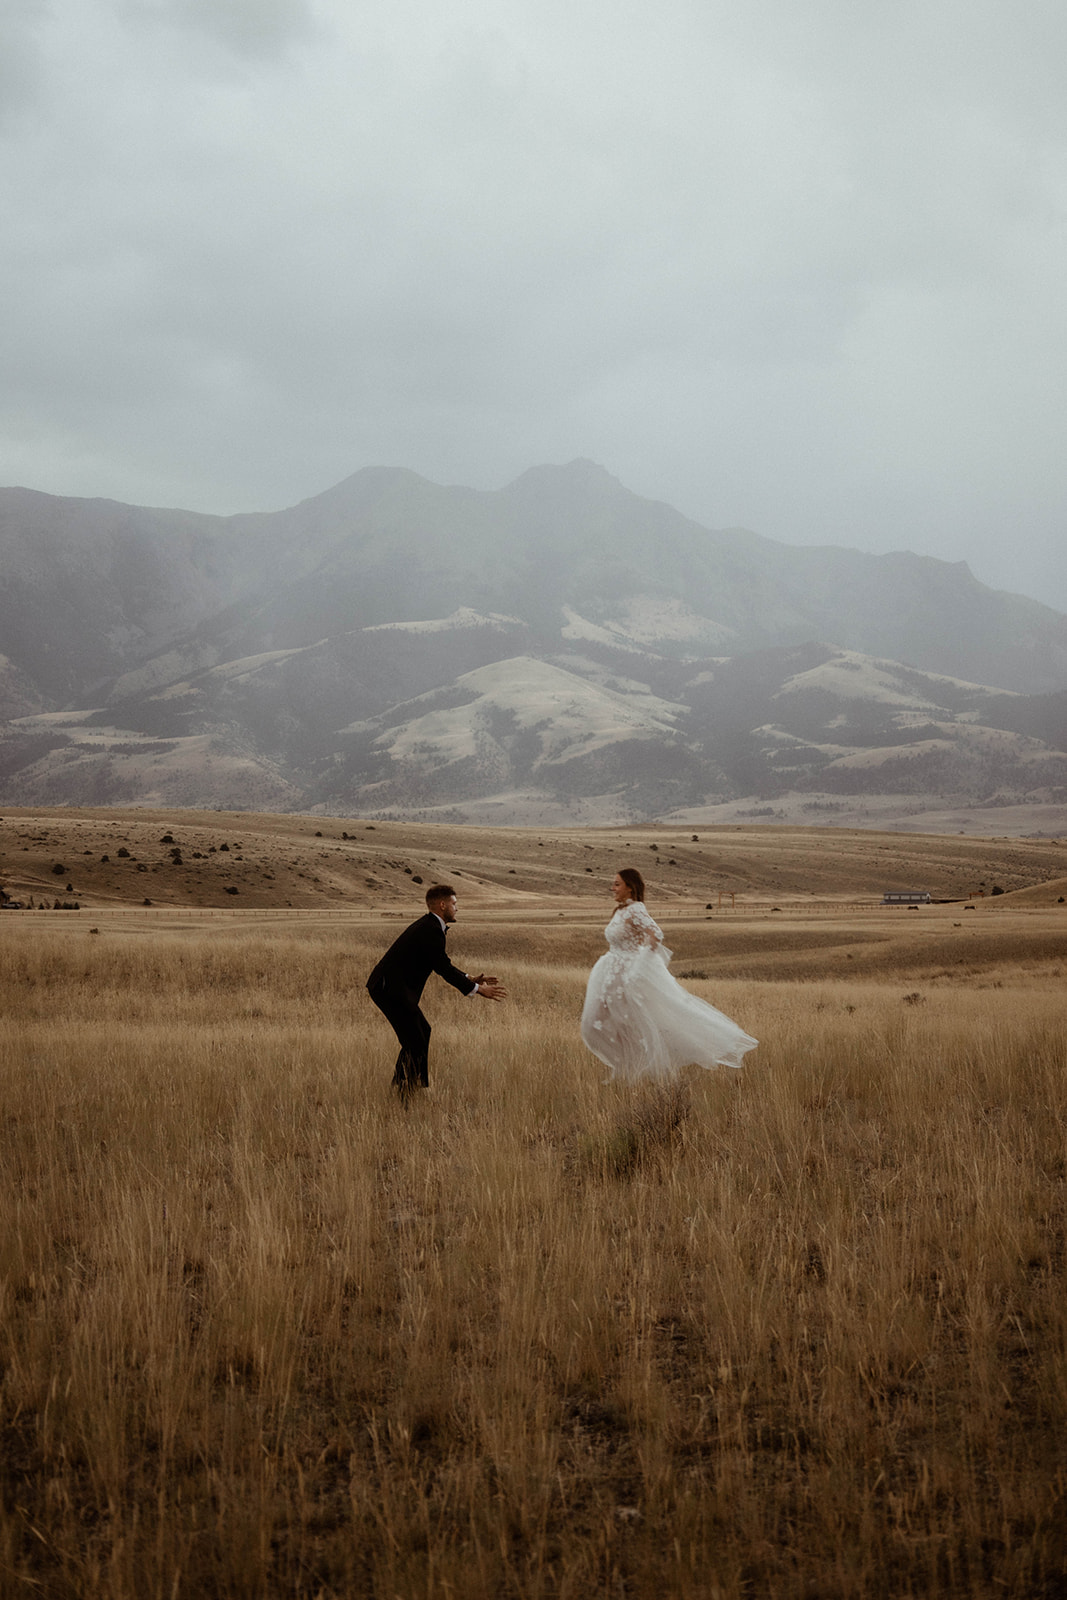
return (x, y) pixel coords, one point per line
(641, 1023)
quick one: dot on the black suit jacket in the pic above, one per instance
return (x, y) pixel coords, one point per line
(406, 965)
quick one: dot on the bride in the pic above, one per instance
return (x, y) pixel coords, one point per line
(636, 1018)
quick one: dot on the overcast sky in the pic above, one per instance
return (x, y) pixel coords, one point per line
(794, 265)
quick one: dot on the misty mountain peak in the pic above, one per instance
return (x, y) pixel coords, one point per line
(365, 488)
(580, 476)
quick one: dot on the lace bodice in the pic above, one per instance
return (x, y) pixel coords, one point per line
(632, 928)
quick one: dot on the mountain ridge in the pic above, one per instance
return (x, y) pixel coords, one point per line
(283, 650)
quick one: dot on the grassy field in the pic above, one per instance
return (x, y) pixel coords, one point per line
(795, 1331)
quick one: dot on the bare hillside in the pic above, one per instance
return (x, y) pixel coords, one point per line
(101, 857)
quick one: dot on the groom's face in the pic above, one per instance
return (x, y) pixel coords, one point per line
(446, 909)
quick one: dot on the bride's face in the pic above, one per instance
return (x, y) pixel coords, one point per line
(620, 890)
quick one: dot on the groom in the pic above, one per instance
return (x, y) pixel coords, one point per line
(397, 982)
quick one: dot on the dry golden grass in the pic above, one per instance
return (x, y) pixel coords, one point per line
(799, 1331)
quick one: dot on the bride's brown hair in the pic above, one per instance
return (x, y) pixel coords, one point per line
(633, 881)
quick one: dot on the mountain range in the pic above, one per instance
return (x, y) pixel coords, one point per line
(560, 649)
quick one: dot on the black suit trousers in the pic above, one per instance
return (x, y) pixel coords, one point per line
(412, 1070)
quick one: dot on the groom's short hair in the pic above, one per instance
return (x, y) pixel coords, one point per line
(439, 891)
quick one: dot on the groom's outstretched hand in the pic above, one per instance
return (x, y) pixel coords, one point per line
(491, 988)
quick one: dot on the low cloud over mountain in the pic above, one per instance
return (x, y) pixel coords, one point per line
(558, 648)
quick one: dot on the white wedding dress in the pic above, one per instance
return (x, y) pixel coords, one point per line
(638, 1020)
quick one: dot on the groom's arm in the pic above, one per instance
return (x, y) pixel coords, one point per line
(489, 988)
(485, 985)
(446, 970)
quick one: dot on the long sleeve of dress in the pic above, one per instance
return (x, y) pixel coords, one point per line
(639, 931)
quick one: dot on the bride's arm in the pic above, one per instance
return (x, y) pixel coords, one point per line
(641, 930)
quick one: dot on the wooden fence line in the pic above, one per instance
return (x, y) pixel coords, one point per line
(345, 913)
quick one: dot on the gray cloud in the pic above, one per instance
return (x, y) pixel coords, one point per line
(798, 268)
(245, 29)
